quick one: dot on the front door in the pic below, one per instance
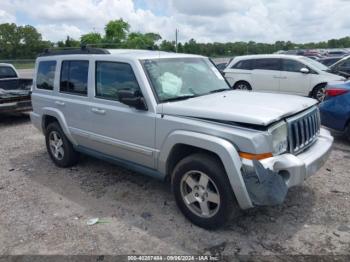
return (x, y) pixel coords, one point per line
(116, 129)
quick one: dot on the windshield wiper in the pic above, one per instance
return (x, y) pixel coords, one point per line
(219, 90)
(178, 98)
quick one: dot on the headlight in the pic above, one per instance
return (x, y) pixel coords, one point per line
(279, 138)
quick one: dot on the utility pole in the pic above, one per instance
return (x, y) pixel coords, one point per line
(176, 36)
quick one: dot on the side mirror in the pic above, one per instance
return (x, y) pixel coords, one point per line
(132, 98)
(304, 70)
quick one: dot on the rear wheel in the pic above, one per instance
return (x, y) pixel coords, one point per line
(202, 191)
(242, 85)
(347, 132)
(59, 147)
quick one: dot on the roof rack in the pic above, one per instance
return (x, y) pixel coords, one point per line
(74, 51)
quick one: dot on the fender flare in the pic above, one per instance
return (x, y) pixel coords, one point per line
(50, 111)
(224, 149)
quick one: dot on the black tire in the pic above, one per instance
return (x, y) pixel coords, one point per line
(210, 166)
(316, 92)
(347, 132)
(69, 157)
(242, 85)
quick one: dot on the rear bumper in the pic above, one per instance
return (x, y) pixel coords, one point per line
(20, 106)
(295, 169)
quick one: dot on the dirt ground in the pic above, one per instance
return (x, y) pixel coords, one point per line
(44, 209)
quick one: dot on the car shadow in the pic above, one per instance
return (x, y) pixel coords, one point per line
(7, 119)
(109, 191)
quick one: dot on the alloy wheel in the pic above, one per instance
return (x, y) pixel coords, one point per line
(200, 194)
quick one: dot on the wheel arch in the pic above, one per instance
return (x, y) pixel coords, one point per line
(51, 115)
(222, 149)
(242, 81)
(316, 86)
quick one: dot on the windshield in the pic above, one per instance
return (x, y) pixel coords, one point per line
(183, 78)
(315, 64)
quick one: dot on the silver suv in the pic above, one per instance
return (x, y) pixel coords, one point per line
(173, 116)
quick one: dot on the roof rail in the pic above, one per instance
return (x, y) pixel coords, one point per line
(74, 51)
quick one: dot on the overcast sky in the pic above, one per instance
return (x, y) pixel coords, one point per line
(203, 20)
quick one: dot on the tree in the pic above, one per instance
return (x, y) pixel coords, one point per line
(20, 41)
(116, 31)
(91, 38)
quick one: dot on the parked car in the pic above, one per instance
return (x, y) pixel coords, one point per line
(337, 53)
(342, 67)
(328, 61)
(335, 109)
(14, 91)
(287, 74)
(174, 117)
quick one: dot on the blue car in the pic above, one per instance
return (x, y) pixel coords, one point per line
(335, 109)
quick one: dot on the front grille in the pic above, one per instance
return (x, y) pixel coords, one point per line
(303, 130)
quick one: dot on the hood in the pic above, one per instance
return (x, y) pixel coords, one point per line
(240, 106)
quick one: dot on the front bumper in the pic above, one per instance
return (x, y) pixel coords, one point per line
(296, 168)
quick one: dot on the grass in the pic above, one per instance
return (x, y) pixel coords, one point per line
(25, 65)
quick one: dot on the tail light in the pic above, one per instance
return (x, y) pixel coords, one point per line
(336, 91)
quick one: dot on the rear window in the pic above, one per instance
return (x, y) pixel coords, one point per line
(46, 75)
(7, 72)
(266, 64)
(243, 64)
(74, 77)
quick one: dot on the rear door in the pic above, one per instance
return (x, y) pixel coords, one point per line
(266, 74)
(292, 81)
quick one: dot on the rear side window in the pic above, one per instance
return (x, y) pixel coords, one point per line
(266, 64)
(114, 76)
(46, 75)
(291, 65)
(74, 77)
(243, 64)
(7, 72)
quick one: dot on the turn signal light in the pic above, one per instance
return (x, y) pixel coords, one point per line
(255, 156)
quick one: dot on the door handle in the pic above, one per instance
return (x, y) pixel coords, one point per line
(98, 111)
(60, 103)
(276, 77)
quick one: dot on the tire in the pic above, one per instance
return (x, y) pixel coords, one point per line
(242, 85)
(188, 179)
(58, 146)
(347, 132)
(318, 92)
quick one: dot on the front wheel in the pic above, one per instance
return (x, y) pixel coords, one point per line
(202, 191)
(242, 86)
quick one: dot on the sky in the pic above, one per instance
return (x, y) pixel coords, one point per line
(204, 20)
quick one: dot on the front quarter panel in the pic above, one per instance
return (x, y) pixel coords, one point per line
(222, 148)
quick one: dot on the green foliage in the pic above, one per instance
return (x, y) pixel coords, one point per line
(116, 31)
(20, 41)
(91, 38)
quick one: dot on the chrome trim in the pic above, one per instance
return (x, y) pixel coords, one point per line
(303, 129)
